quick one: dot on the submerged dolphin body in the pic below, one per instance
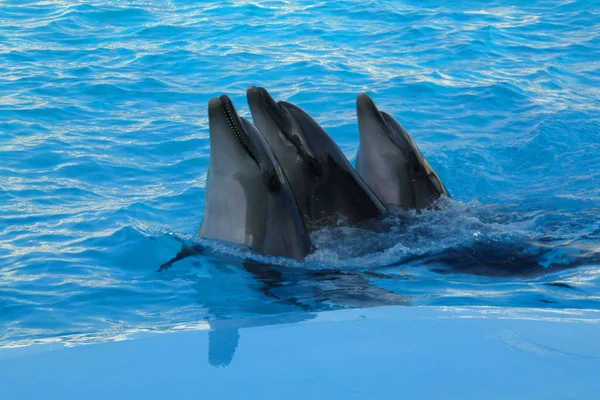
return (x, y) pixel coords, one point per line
(248, 198)
(324, 183)
(390, 162)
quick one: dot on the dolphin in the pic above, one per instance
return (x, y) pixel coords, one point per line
(325, 185)
(390, 162)
(248, 198)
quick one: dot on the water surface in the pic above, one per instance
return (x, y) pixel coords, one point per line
(104, 151)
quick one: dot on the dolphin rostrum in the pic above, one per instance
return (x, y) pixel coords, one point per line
(390, 162)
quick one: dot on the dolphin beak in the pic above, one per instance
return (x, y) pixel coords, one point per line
(214, 107)
(366, 109)
(365, 103)
(227, 107)
(222, 108)
(259, 95)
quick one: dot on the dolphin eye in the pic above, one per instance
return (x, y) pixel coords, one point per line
(314, 169)
(274, 183)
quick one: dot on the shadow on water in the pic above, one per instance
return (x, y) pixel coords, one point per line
(506, 260)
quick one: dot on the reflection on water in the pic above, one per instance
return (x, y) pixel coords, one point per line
(224, 337)
(222, 344)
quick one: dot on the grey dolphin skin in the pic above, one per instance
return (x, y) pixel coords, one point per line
(390, 162)
(248, 198)
(324, 183)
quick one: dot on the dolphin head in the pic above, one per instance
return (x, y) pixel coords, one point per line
(286, 127)
(248, 198)
(282, 131)
(324, 183)
(287, 139)
(238, 149)
(390, 162)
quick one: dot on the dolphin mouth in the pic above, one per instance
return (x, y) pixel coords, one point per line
(235, 124)
(270, 106)
(363, 101)
(366, 106)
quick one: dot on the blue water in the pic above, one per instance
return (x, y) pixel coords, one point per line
(104, 151)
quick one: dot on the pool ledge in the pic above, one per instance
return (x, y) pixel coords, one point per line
(376, 353)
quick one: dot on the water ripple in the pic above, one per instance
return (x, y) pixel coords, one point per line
(104, 148)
